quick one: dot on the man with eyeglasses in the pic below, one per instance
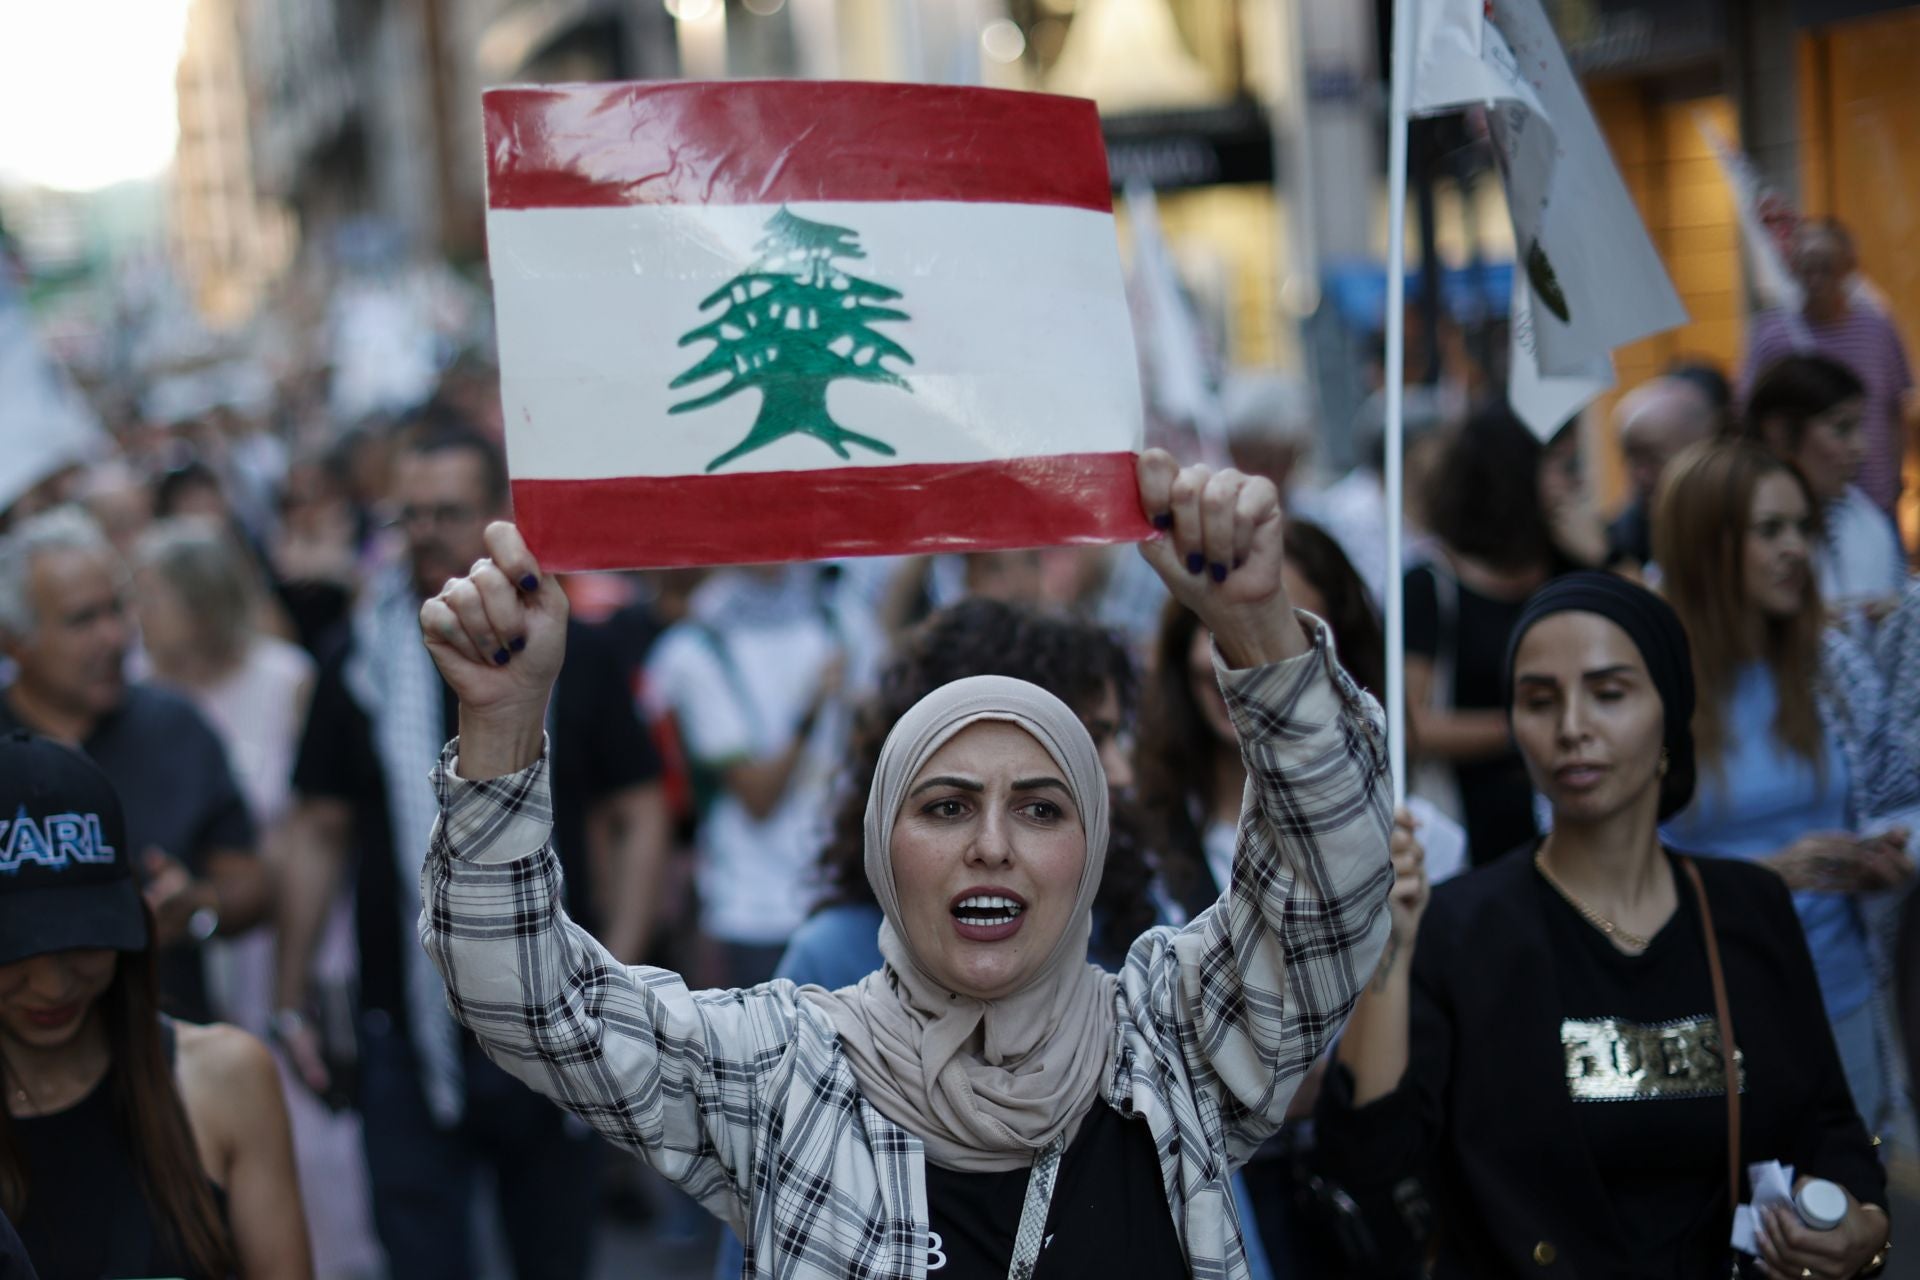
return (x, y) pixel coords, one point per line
(436, 1111)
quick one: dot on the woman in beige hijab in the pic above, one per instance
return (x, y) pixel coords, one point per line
(988, 1103)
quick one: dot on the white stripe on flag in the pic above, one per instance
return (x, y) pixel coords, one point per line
(591, 326)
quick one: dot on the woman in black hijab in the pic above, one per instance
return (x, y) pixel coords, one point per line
(1551, 1051)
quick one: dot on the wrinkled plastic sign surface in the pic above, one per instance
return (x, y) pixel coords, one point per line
(761, 321)
(1588, 277)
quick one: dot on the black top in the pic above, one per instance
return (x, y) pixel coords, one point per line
(178, 796)
(1108, 1216)
(1496, 798)
(316, 609)
(1640, 1032)
(596, 746)
(14, 1263)
(87, 1217)
(1503, 1102)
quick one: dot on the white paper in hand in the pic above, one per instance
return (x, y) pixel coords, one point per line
(1772, 1185)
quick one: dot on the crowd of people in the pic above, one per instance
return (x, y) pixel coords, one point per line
(851, 897)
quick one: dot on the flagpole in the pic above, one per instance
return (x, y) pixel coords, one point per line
(1399, 95)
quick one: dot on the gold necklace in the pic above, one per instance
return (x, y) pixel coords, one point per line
(1623, 938)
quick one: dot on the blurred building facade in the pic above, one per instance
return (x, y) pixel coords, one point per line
(229, 239)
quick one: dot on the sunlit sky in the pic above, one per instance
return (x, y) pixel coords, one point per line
(86, 89)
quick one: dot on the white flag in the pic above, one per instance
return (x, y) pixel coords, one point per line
(1772, 282)
(45, 425)
(1177, 381)
(1586, 278)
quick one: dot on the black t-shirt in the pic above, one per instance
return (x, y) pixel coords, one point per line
(1644, 1066)
(178, 794)
(1108, 1217)
(1496, 798)
(14, 1263)
(596, 747)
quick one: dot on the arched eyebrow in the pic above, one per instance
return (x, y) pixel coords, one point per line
(976, 786)
(948, 780)
(1613, 672)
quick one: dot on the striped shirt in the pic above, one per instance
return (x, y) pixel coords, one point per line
(746, 1100)
(1865, 341)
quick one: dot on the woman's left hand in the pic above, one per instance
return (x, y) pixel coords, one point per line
(1222, 555)
(1411, 890)
(1791, 1250)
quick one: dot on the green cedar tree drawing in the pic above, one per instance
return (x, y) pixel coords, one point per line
(1546, 285)
(792, 323)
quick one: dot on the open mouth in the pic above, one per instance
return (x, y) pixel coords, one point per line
(988, 910)
(55, 1018)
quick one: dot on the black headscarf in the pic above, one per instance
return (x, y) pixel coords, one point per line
(1656, 631)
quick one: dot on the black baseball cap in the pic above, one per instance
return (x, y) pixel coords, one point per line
(66, 875)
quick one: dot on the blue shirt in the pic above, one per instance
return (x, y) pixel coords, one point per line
(836, 947)
(1763, 797)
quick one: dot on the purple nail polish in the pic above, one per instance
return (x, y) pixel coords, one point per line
(1164, 520)
(1196, 562)
(1219, 573)
(519, 644)
(500, 658)
(529, 584)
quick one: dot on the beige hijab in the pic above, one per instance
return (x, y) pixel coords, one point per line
(985, 1084)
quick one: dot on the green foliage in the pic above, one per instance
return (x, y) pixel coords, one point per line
(788, 327)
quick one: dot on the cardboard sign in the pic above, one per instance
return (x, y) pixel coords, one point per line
(760, 321)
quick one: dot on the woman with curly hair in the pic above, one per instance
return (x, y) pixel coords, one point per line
(1083, 665)
(1188, 766)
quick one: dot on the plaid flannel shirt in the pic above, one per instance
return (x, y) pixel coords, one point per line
(745, 1099)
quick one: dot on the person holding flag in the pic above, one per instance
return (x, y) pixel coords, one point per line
(989, 1102)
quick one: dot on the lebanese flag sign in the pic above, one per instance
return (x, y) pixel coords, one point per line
(760, 321)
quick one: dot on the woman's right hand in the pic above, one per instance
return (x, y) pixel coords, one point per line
(499, 635)
(1840, 862)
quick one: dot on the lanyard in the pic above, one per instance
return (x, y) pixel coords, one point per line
(1033, 1216)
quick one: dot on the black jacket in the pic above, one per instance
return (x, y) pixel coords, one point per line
(1485, 1111)
(14, 1263)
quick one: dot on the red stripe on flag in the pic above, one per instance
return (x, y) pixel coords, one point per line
(759, 517)
(773, 141)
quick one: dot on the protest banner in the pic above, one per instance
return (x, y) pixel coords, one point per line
(764, 321)
(1586, 277)
(45, 423)
(1773, 284)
